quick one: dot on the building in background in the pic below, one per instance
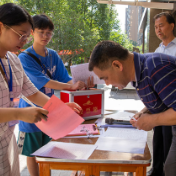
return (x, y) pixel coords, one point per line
(137, 26)
(133, 20)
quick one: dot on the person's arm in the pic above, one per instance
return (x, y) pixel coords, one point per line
(162, 80)
(143, 111)
(149, 121)
(165, 118)
(41, 99)
(30, 115)
(70, 82)
(52, 84)
(90, 82)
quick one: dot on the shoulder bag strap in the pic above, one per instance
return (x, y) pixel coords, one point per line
(39, 62)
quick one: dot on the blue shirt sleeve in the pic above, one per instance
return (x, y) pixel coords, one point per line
(61, 73)
(33, 71)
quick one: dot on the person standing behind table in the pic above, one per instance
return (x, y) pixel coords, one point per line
(15, 28)
(164, 29)
(154, 77)
(31, 138)
(162, 138)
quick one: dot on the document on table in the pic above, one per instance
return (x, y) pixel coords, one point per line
(126, 133)
(123, 140)
(116, 116)
(120, 145)
(81, 73)
(65, 150)
(108, 112)
(61, 119)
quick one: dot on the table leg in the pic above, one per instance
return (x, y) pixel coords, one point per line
(74, 173)
(88, 171)
(44, 170)
(145, 171)
(139, 171)
(96, 170)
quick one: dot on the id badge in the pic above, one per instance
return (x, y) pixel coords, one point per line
(47, 90)
(13, 122)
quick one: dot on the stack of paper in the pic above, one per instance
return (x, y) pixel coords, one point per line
(65, 150)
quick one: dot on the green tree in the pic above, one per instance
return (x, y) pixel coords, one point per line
(79, 25)
(122, 39)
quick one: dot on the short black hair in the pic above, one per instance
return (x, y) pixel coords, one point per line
(12, 14)
(169, 17)
(105, 52)
(42, 22)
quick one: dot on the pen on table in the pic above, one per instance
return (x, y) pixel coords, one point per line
(32, 104)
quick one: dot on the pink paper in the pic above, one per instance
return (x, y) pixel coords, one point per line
(84, 129)
(61, 119)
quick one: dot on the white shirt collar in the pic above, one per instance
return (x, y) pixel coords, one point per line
(173, 41)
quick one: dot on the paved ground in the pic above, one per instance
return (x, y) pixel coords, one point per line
(121, 100)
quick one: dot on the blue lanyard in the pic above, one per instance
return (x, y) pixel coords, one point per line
(10, 82)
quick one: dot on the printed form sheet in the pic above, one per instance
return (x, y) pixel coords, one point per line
(126, 133)
(65, 150)
(81, 73)
(126, 140)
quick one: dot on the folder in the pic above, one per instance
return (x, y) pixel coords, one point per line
(85, 129)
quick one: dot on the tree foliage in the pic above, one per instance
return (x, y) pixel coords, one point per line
(79, 25)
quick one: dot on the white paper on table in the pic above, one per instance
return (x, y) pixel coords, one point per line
(126, 133)
(120, 145)
(81, 73)
(121, 115)
(108, 112)
(65, 150)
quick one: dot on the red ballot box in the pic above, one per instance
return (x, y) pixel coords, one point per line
(91, 101)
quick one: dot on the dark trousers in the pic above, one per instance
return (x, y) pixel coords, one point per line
(170, 164)
(162, 139)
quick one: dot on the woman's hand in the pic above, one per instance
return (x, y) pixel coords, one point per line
(32, 114)
(75, 107)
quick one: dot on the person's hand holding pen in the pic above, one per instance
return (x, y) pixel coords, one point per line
(143, 121)
(133, 119)
(74, 106)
